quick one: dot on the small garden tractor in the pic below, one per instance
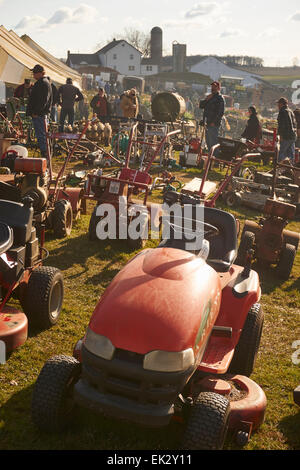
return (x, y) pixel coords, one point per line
(126, 183)
(22, 274)
(268, 241)
(175, 336)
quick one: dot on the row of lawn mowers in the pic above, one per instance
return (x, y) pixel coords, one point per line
(175, 336)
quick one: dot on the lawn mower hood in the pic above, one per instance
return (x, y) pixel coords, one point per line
(164, 299)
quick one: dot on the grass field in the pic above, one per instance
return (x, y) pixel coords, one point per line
(281, 79)
(88, 268)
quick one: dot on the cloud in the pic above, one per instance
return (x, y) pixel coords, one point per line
(83, 14)
(201, 9)
(231, 33)
(202, 15)
(30, 22)
(295, 16)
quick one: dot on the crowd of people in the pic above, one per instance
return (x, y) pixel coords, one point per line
(44, 99)
(288, 123)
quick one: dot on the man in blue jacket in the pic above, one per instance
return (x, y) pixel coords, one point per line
(214, 107)
(39, 106)
(287, 130)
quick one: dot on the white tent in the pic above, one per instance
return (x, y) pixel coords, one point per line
(17, 59)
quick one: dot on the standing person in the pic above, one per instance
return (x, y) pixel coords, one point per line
(253, 130)
(214, 107)
(297, 117)
(24, 90)
(287, 130)
(39, 106)
(101, 106)
(68, 95)
(130, 104)
(107, 88)
(83, 108)
(55, 99)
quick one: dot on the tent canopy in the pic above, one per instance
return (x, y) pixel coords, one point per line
(17, 59)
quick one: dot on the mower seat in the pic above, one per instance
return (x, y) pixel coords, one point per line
(6, 238)
(223, 247)
(19, 218)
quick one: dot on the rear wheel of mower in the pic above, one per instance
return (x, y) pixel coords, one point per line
(93, 225)
(62, 219)
(44, 296)
(247, 243)
(52, 401)
(247, 348)
(286, 262)
(208, 423)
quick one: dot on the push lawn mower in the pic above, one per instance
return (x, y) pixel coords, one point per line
(39, 288)
(174, 336)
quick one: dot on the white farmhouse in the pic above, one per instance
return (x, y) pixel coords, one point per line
(121, 56)
(215, 69)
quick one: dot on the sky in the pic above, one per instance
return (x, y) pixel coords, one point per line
(265, 28)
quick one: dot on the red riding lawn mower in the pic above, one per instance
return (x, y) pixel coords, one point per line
(174, 337)
(22, 274)
(55, 205)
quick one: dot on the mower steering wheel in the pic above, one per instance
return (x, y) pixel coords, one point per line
(210, 231)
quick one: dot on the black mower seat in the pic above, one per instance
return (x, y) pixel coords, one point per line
(223, 247)
(6, 238)
(19, 217)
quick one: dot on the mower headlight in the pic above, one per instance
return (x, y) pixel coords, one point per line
(99, 345)
(164, 361)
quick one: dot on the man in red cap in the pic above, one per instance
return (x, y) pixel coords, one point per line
(287, 130)
(39, 105)
(214, 107)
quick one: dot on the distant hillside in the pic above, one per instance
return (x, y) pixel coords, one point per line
(283, 76)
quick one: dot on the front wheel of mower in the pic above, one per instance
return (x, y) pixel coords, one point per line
(247, 243)
(44, 297)
(208, 423)
(52, 401)
(62, 219)
(247, 348)
(286, 262)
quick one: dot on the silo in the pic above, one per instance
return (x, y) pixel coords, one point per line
(179, 57)
(156, 45)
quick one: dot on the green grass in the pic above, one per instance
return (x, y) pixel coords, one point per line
(281, 79)
(88, 268)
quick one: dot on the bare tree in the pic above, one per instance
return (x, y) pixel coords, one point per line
(136, 38)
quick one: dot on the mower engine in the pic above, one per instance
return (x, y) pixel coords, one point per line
(33, 180)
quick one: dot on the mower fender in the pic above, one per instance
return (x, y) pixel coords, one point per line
(251, 408)
(238, 297)
(75, 196)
